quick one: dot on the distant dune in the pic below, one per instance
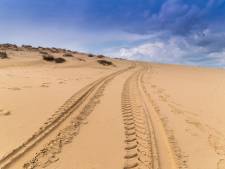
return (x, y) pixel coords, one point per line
(62, 109)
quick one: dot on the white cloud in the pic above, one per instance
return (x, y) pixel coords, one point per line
(219, 57)
(173, 50)
(158, 51)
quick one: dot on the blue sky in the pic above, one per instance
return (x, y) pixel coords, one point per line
(168, 31)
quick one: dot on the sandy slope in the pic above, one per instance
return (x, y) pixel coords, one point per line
(191, 104)
(80, 114)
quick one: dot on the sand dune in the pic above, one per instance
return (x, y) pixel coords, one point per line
(86, 114)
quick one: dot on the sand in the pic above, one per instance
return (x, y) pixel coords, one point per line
(85, 115)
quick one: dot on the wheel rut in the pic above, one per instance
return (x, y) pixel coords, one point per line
(89, 95)
(146, 143)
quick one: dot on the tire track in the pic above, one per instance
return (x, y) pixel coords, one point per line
(48, 154)
(147, 145)
(170, 154)
(141, 151)
(59, 116)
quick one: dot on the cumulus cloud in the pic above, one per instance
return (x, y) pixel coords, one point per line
(176, 50)
(155, 51)
(192, 34)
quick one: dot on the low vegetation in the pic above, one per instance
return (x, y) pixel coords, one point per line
(90, 55)
(48, 58)
(43, 53)
(3, 55)
(27, 46)
(60, 60)
(8, 46)
(100, 56)
(54, 50)
(105, 63)
(51, 58)
(68, 55)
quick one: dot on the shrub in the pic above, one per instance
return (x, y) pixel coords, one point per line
(44, 53)
(68, 55)
(3, 55)
(90, 55)
(54, 50)
(105, 62)
(8, 46)
(48, 58)
(59, 60)
(27, 46)
(100, 56)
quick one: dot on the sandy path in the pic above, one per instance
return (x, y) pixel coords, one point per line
(166, 156)
(32, 94)
(148, 145)
(189, 103)
(146, 117)
(139, 147)
(100, 143)
(65, 111)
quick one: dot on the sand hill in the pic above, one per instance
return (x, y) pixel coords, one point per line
(62, 109)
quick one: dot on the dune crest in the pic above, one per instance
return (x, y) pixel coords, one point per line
(66, 109)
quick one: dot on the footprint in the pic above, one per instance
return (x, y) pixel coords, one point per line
(46, 84)
(4, 112)
(61, 82)
(194, 123)
(174, 108)
(221, 164)
(191, 132)
(218, 143)
(163, 98)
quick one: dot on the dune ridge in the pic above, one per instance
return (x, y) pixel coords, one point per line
(155, 116)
